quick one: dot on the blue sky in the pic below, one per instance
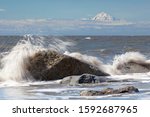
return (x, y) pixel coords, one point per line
(135, 10)
(63, 17)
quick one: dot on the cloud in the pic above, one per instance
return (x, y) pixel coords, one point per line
(51, 26)
(1, 10)
(68, 27)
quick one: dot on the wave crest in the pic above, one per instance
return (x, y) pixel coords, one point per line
(130, 62)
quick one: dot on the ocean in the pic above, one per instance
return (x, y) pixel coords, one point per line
(106, 51)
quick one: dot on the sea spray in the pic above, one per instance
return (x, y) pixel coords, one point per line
(13, 63)
(133, 62)
(59, 45)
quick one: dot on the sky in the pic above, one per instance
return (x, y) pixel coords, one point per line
(14, 14)
(135, 10)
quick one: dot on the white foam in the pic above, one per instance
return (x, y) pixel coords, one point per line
(59, 90)
(11, 83)
(120, 60)
(128, 56)
(133, 76)
(88, 38)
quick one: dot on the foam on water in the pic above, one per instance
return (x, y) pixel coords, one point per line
(88, 38)
(133, 76)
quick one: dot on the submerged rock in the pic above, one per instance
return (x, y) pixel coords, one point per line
(128, 89)
(86, 79)
(51, 65)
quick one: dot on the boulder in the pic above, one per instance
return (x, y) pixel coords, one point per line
(128, 89)
(134, 67)
(51, 65)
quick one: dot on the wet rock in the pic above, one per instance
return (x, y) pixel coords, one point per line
(51, 65)
(128, 89)
(85, 79)
(134, 67)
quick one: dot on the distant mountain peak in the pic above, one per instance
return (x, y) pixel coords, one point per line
(103, 17)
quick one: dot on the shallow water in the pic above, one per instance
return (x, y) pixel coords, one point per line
(103, 47)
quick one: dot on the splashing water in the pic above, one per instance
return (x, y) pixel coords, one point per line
(60, 45)
(14, 62)
(123, 59)
(13, 68)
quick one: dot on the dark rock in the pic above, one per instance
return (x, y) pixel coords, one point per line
(128, 89)
(50, 65)
(87, 78)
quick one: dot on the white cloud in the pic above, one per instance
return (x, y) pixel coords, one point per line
(50, 26)
(2, 10)
(61, 24)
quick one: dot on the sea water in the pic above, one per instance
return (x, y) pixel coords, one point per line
(101, 51)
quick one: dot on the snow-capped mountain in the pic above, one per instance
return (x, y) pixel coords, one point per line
(103, 17)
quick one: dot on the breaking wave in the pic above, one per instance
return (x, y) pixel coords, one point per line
(14, 62)
(130, 62)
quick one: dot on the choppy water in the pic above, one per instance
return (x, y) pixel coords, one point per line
(104, 48)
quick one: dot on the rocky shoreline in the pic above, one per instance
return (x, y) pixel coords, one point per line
(51, 65)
